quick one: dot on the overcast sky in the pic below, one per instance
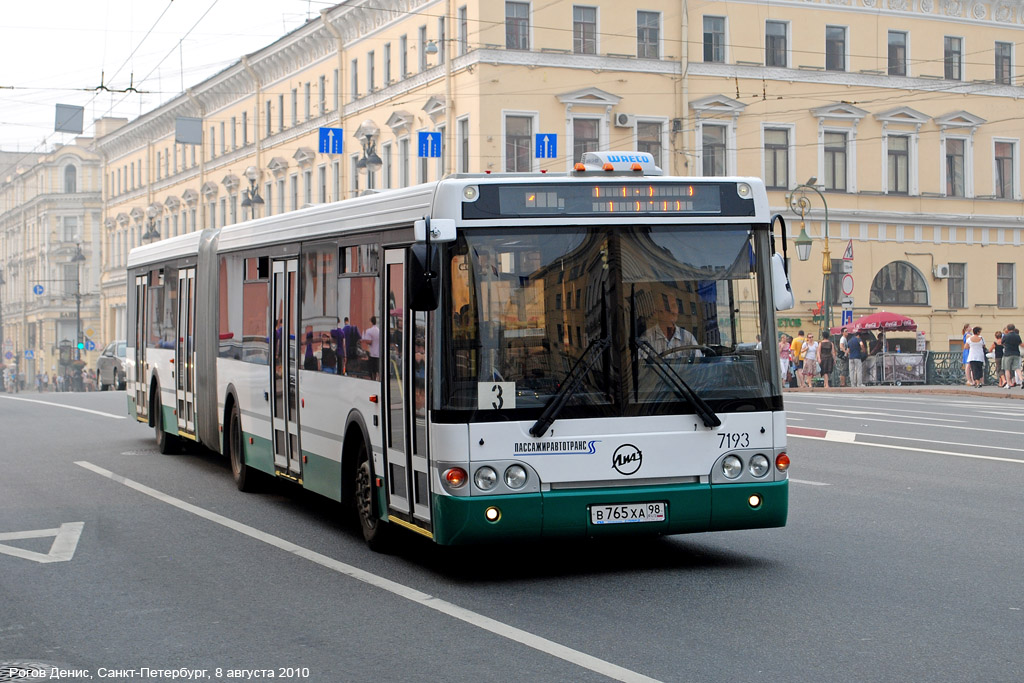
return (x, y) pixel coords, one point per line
(54, 51)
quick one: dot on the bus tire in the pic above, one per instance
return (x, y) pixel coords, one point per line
(165, 443)
(375, 531)
(244, 476)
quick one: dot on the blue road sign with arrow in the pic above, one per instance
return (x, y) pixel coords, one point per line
(430, 144)
(547, 146)
(37, 290)
(331, 140)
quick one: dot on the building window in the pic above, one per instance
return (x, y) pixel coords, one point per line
(898, 163)
(403, 56)
(70, 179)
(308, 100)
(463, 164)
(322, 93)
(403, 162)
(897, 53)
(442, 42)
(234, 141)
(584, 30)
(648, 35)
(280, 112)
(952, 58)
(245, 133)
(1004, 169)
(354, 72)
(714, 39)
(954, 167)
(899, 283)
(518, 143)
(268, 197)
(336, 177)
(956, 285)
(295, 107)
(421, 49)
(295, 192)
(463, 30)
(213, 148)
(776, 158)
(385, 167)
(835, 48)
(585, 137)
(387, 64)
(371, 76)
(775, 47)
(517, 26)
(648, 139)
(281, 196)
(1004, 63)
(835, 161)
(1005, 282)
(268, 118)
(307, 187)
(322, 184)
(712, 140)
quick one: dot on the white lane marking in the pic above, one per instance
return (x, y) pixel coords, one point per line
(847, 411)
(504, 630)
(983, 413)
(1013, 407)
(1015, 449)
(61, 405)
(916, 424)
(809, 483)
(971, 456)
(65, 540)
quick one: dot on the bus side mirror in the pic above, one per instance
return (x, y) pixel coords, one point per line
(783, 293)
(441, 230)
(424, 278)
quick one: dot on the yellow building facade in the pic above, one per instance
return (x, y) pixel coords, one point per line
(903, 113)
(50, 230)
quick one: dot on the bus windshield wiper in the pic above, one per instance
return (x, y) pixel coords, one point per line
(570, 384)
(672, 378)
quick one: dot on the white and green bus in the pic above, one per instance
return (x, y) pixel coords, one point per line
(486, 357)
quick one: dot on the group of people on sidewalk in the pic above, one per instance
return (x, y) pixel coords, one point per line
(802, 358)
(1004, 351)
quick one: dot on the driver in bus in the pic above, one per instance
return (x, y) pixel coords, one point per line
(664, 334)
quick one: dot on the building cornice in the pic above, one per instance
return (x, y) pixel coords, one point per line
(1001, 12)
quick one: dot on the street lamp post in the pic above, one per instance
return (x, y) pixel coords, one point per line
(369, 163)
(152, 234)
(800, 204)
(251, 198)
(77, 259)
(2, 351)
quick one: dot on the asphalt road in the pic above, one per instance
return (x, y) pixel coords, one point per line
(902, 560)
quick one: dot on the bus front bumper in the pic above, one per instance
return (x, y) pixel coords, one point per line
(566, 513)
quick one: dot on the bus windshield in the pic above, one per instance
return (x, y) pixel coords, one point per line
(639, 311)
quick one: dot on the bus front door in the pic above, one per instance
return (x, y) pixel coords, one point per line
(185, 352)
(283, 369)
(141, 321)
(403, 333)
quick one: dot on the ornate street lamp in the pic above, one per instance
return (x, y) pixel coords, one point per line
(369, 163)
(800, 204)
(152, 234)
(251, 198)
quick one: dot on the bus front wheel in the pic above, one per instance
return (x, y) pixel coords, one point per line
(375, 531)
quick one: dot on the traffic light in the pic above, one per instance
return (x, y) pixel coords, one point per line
(81, 346)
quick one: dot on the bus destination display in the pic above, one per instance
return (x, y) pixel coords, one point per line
(605, 199)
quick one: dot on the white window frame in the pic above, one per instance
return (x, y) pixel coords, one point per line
(462, 124)
(597, 25)
(725, 37)
(663, 121)
(570, 137)
(846, 48)
(730, 145)
(851, 156)
(1015, 143)
(790, 152)
(661, 32)
(789, 43)
(968, 163)
(534, 117)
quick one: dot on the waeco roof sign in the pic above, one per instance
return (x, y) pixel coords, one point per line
(620, 162)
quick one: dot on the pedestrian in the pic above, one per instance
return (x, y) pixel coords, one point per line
(797, 358)
(1011, 357)
(371, 341)
(826, 359)
(785, 354)
(856, 350)
(966, 332)
(843, 356)
(975, 346)
(810, 367)
(997, 357)
(875, 348)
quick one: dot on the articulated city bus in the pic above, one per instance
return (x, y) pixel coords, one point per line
(485, 357)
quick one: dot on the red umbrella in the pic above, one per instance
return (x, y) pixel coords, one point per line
(883, 321)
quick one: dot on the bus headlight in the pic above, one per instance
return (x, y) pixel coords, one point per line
(485, 478)
(515, 477)
(743, 190)
(732, 466)
(759, 465)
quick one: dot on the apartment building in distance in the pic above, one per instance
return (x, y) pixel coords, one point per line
(50, 232)
(902, 115)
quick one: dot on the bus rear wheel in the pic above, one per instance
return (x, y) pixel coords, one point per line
(165, 443)
(244, 476)
(375, 531)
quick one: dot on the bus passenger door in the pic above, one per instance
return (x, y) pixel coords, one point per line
(405, 414)
(185, 352)
(283, 369)
(141, 305)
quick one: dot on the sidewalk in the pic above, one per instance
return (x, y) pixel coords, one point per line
(937, 389)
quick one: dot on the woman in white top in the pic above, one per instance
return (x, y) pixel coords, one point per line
(975, 346)
(810, 368)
